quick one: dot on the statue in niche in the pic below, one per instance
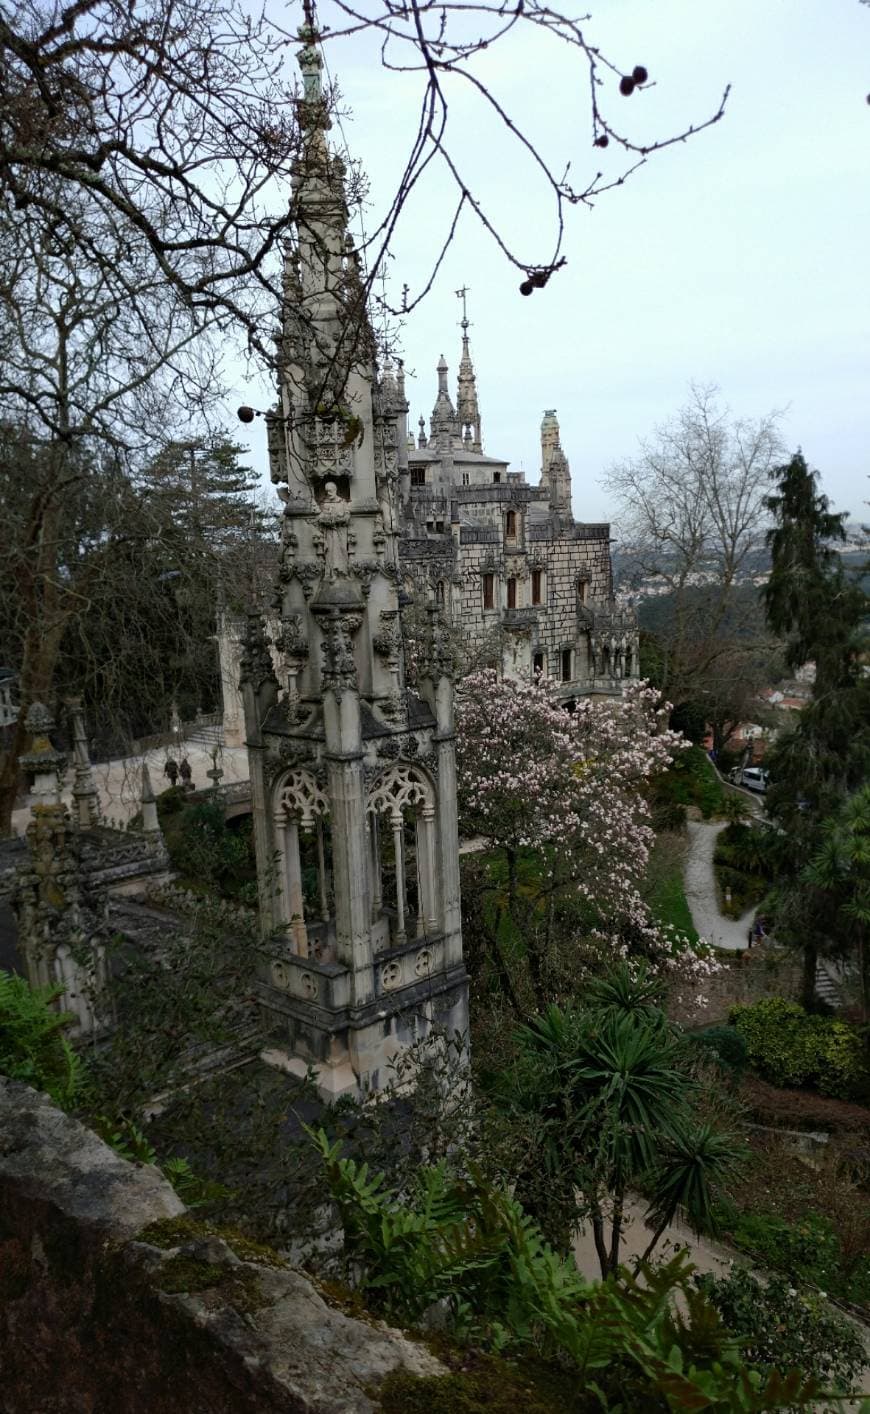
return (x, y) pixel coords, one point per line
(333, 522)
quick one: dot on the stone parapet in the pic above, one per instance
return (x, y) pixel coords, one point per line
(113, 1297)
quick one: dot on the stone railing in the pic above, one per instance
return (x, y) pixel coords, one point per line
(190, 905)
(112, 1296)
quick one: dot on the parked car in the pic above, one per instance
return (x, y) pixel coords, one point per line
(753, 778)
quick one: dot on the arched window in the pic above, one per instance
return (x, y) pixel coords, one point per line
(300, 805)
(401, 821)
(440, 593)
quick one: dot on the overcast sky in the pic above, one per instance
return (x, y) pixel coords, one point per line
(739, 257)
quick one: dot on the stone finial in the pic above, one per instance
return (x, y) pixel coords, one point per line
(150, 819)
(467, 407)
(43, 761)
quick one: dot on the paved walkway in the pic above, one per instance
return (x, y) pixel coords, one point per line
(120, 782)
(700, 886)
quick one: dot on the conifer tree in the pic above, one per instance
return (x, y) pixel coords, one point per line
(821, 611)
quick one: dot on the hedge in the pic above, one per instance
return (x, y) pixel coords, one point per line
(788, 1046)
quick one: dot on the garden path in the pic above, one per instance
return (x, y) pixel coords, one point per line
(700, 886)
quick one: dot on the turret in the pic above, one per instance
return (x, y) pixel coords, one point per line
(467, 409)
(555, 471)
(359, 931)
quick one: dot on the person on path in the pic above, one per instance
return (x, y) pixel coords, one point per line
(171, 770)
(186, 774)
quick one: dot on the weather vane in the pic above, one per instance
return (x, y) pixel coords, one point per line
(460, 294)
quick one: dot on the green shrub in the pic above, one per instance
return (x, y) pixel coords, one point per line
(787, 1046)
(689, 780)
(727, 1045)
(467, 1243)
(783, 1327)
(807, 1250)
(32, 1045)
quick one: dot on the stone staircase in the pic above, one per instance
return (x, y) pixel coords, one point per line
(829, 985)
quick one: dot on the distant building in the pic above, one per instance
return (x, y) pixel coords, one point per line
(498, 554)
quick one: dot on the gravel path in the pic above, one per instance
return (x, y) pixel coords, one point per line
(700, 885)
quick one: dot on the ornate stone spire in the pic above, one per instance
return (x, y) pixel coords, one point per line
(467, 408)
(555, 471)
(444, 425)
(346, 764)
(85, 798)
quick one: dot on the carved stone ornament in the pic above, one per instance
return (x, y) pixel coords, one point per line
(309, 575)
(391, 976)
(291, 640)
(339, 664)
(424, 962)
(386, 642)
(298, 794)
(398, 788)
(308, 986)
(256, 661)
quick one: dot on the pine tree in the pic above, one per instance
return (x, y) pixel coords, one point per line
(205, 487)
(821, 612)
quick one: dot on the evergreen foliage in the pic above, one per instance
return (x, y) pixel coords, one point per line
(783, 1328)
(822, 612)
(616, 1108)
(468, 1244)
(33, 1047)
(788, 1046)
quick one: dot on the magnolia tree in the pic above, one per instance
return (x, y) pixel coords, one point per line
(558, 798)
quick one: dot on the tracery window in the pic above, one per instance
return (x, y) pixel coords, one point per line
(303, 846)
(401, 825)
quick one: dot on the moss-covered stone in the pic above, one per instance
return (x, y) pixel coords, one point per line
(486, 1385)
(187, 1275)
(174, 1232)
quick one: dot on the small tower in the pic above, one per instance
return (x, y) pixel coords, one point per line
(61, 918)
(86, 801)
(353, 774)
(444, 425)
(555, 471)
(467, 408)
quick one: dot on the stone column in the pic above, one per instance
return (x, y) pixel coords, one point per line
(428, 869)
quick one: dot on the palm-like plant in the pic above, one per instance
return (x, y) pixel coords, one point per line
(616, 1101)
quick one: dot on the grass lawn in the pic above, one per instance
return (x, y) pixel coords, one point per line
(664, 890)
(690, 780)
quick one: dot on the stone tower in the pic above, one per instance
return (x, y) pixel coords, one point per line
(353, 775)
(555, 472)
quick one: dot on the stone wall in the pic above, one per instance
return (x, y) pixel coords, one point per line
(112, 1298)
(762, 971)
